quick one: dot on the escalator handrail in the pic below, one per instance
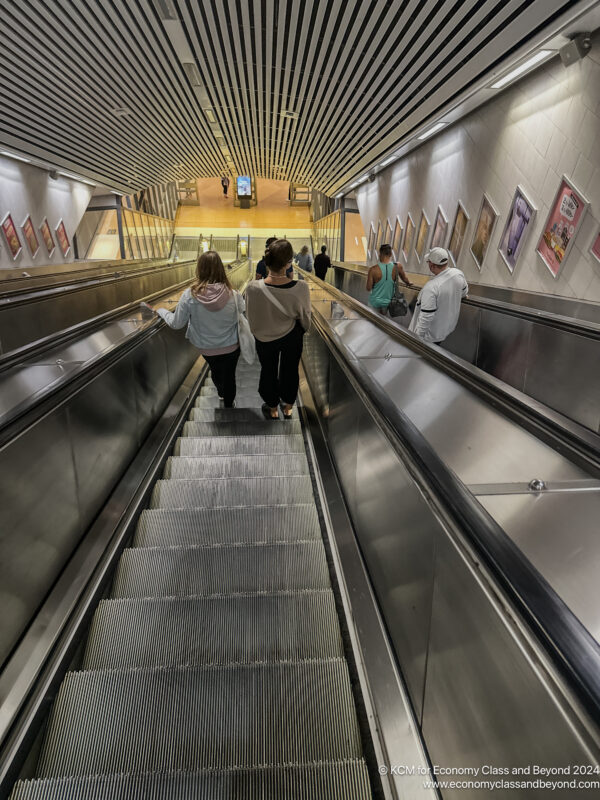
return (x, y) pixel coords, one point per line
(575, 325)
(567, 643)
(580, 444)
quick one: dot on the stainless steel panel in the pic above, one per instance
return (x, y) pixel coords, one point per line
(504, 347)
(465, 342)
(151, 383)
(39, 520)
(396, 530)
(558, 532)
(103, 432)
(564, 372)
(364, 340)
(472, 438)
(315, 358)
(486, 703)
(342, 430)
(21, 384)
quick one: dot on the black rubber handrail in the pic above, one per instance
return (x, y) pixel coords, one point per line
(578, 443)
(567, 643)
(581, 327)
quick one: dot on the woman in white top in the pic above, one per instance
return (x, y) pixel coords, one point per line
(210, 311)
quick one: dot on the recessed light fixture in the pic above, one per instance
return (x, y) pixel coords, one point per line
(522, 68)
(437, 127)
(76, 178)
(388, 161)
(121, 111)
(341, 194)
(290, 114)
(15, 156)
(210, 115)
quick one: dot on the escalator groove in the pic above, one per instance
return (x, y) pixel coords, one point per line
(215, 667)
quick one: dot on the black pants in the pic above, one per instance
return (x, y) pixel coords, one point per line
(279, 367)
(222, 372)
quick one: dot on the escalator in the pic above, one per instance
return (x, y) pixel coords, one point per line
(215, 668)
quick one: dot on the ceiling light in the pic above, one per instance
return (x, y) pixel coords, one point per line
(388, 161)
(210, 115)
(121, 111)
(341, 194)
(76, 178)
(15, 156)
(438, 126)
(192, 72)
(166, 9)
(290, 114)
(531, 62)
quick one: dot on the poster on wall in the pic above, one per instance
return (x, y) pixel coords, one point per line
(424, 226)
(595, 249)
(47, 237)
(520, 220)
(408, 237)
(30, 237)
(371, 242)
(459, 229)
(379, 235)
(563, 222)
(486, 222)
(11, 236)
(440, 228)
(387, 235)
(397, 239)
(62, 238)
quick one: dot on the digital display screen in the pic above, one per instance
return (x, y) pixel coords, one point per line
(244, 186)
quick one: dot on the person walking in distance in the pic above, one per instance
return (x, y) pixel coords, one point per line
(209, 309)
(304, 259)
(381, 280)
(225, 184)
(438, 304)
(279, 315)
(322, 263)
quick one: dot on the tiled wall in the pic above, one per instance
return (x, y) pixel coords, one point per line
(545, 126)
(26, 190)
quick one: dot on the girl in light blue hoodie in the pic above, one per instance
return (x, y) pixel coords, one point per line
(210, 311)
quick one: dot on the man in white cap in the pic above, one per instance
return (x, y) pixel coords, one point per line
(438, 303)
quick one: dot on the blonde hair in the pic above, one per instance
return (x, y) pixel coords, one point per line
(210, 269)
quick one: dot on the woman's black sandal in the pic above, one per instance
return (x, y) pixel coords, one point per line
(266, 411)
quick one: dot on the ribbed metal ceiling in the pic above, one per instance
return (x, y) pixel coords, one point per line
(136, 92)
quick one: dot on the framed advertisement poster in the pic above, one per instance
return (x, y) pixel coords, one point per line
(459, 230)
(371, 242)
(47, 236)
(397, 238)
(379, 240)
(595, 248)
(563, 222)
(30, 237)
(11, 236)
(520, 220)
(408, 237)
(422, 235)
(387, 234)
(486, 222)
(62, 238)
(440, 229)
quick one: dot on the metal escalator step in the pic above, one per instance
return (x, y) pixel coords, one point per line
(245, 400)
(238, 415)
(239, 445)
(231, 492)
(191, 718)
(266, 428)
(244, 525)
(243, 386)
(340, 780)
(221, 569)
(240, 629)
(235, 466)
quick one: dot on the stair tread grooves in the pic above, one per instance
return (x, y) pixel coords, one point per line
(211, 492)
(265, 428)
(220, 629)
(335, 780)
(235, 466)
(240, 445)
(201, 717)
(204, 570)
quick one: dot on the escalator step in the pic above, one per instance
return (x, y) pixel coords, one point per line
(177, 571)
(248, 524)
(232, 492)
(239, 445)
(192, 718)
(245, 400)
(240, 629)
(213, 467)
(244, 385)
(342, 780)
(235, 415)
(265, 428)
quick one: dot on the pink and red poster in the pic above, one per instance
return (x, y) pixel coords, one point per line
(596, 247)
(47, 237)
(63, 239)
(11, 236)
(30, 236)
(561, 227)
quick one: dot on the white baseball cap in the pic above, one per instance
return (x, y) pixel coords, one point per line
(438, 256)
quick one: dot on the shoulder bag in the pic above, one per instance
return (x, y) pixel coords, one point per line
(245, 337)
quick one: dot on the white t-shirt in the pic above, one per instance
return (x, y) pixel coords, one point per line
(438, 305)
